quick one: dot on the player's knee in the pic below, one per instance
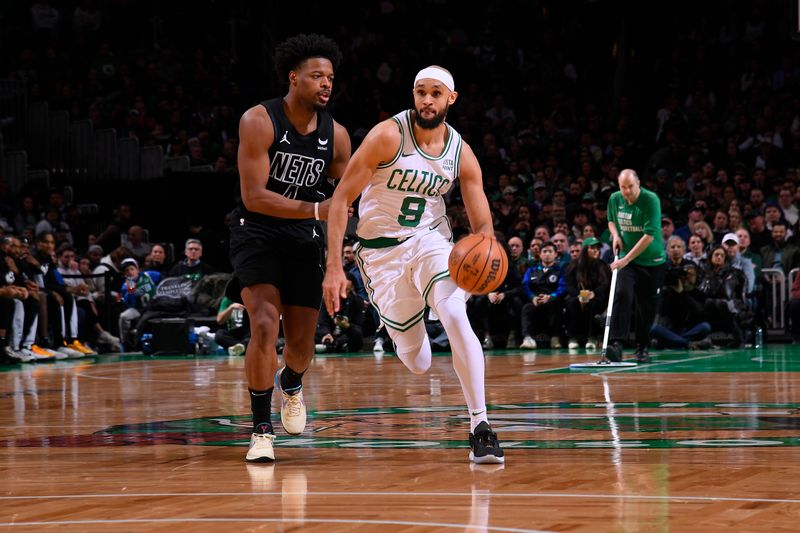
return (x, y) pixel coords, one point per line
(264, 324)
(413, 348)
(451, 310)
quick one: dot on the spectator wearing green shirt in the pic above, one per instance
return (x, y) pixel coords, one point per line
(634, 221)
(234, 336)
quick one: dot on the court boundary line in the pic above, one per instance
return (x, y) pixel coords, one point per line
(276, 520)
(643, 497)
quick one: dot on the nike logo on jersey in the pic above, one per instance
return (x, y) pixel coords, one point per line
(407, 155)
(284, 139)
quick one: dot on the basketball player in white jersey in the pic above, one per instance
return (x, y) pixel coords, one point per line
(402, 170)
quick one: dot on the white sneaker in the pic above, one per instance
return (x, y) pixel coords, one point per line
(591, 344)
(320, 348)
(293, 408)
(378, 347)
(528, 343)
(17, 355)
(69, 352)
(488, 343)
(261, 449)
(32, 356)
(573, 344)
(555, 342)
(236, 350)
(47, 353)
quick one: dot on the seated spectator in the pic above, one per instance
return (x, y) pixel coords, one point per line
(53, 223)
(192, 265)
(533, 256)
(136, 244)
(680, 323)
(110, 266)
(562, 249)
(696, 253)
(516, 258)
(724, 288)
(121, 220)
(703, 230)
(497, 314)
(88, 318)
(588, 281)
(27, 216)
(731, 244)
(136, 292)
(156, 260)
(234, 336)
(544, 286)
(58, 318)
(342, 333)
(780, 253)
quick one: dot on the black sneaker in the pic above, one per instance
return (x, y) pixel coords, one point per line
(485, 448)
(642, 354)
(614, 352)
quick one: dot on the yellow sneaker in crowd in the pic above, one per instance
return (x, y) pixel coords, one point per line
(79, 346)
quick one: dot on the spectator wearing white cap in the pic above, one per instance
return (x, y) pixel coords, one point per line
(731, 244)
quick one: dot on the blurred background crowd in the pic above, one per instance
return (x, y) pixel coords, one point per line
(701, 99)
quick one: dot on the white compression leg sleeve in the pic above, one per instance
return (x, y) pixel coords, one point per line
(449, 303)
(413, 347)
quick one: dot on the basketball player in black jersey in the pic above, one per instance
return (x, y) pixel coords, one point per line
(289, 148)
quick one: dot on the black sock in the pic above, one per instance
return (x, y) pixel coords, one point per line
(291, 381)
(261, 405)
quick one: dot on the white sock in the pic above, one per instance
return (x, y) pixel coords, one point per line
(475, 418)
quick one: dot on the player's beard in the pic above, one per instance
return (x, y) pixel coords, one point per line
(431, 123)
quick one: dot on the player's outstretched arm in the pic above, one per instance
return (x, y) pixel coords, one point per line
(379, 145)
(480, 216)
(256, 136)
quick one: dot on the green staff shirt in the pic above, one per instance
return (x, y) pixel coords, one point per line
(633, 221)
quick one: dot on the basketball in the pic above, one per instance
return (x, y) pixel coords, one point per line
(478, 264)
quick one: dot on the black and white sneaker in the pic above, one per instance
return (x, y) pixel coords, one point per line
(485, 447)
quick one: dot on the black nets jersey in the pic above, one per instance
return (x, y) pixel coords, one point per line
(298, 163)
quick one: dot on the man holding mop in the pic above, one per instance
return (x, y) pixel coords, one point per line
(634, 220)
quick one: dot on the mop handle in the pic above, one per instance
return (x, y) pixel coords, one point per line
(612, 289)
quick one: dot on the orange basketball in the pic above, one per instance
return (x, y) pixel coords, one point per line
(478, 264)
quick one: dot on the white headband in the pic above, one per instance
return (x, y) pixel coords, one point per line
(437, 74)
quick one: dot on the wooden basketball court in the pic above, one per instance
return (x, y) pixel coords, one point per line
(696, 441)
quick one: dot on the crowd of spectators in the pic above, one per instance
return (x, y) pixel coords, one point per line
(555, 101)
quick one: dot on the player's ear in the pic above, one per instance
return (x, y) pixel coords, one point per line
(452, 97)
(292, 77)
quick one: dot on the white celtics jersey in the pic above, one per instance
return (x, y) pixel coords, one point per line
(404, 196)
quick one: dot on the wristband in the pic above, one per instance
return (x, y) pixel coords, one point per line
(316, 210)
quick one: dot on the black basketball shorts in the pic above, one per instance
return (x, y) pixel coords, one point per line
(288, 256)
